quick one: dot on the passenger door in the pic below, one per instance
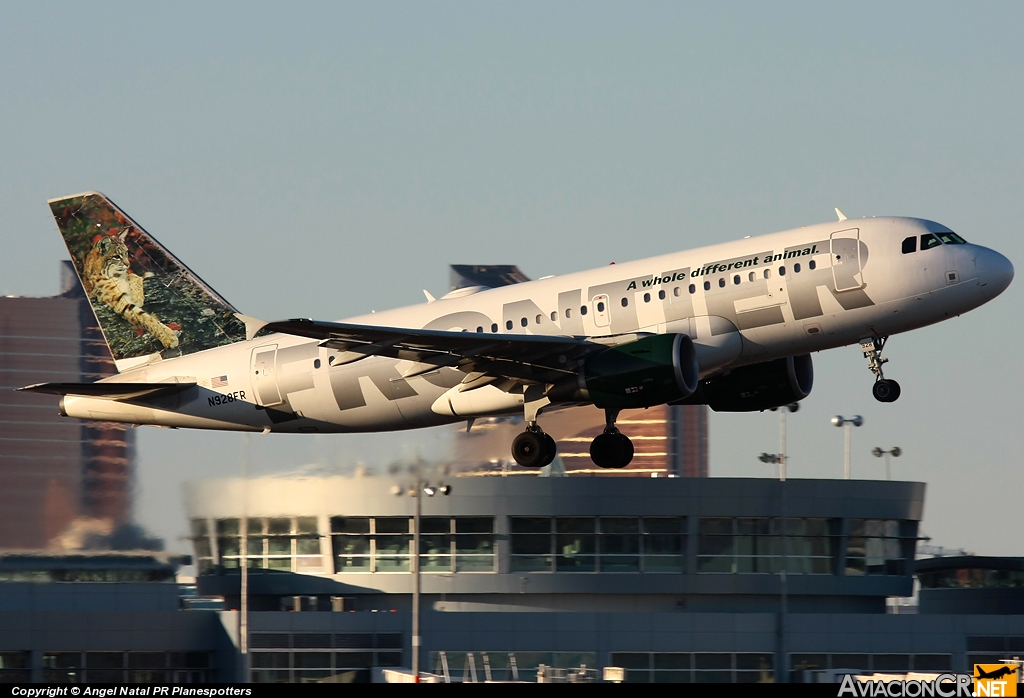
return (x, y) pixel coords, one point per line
(846, 260)
(264, 375)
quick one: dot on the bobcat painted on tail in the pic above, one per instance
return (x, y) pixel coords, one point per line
(175, 314)
(107, 277)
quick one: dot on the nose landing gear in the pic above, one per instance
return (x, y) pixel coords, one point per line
(884, 389)
(611, 449)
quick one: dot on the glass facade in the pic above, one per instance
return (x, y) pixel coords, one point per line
(128, 667)
(696, 667)
(869, 663)
(972, 578)
(290, 544)
(460, 544)
(597, 544)
(577, 544)
(738, 545)
(880, 546)
(313, 657)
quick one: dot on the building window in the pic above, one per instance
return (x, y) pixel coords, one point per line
(474, 544)
(530, 544)
(879, 546)
(696, 667)
(351, 539)
(468, 667)
(575, 544)
(868, 663)
(392, 543)
(753, 545)
(605, 544)
(462, 544)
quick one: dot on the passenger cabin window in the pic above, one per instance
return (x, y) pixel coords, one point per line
(583, 310)
(661, 294)
(782, 271)
(554, 316)
(707, 285)
(951, 238)
(910, 244)
(494, 327)
(750, 276)
(647, 298)
(796, 268)
(692, 289)
(929, 241)
(524, 322)
(721, 283)
(568, 312)
(625, 302)
(538, 318)
(675, 291)
(508, 325)
(600, 306)
(811, 264)
(479, 329)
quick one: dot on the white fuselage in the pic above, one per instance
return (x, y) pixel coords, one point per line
(842, 282)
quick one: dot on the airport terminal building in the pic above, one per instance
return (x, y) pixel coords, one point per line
(674, 579)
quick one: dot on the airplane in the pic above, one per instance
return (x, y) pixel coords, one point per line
(999, 673)
(731, 326)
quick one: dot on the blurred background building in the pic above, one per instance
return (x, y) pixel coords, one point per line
(62, 481)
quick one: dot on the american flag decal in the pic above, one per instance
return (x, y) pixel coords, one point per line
(219, 381)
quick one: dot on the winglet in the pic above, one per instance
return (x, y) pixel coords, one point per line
(840, 214)
(430, 298)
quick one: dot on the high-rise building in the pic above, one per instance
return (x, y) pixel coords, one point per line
(54, 471)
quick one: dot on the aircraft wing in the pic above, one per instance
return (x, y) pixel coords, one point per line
(485, 357)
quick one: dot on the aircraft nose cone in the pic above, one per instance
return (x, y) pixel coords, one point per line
(995, 271)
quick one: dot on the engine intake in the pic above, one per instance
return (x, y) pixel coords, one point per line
(650, 371)
(757, 386)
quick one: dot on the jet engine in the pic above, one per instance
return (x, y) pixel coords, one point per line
(649, 371)
(757, 386)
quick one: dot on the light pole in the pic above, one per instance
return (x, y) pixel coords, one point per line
(879, 452)
(839, 421)
(419, 489)
(780, 459)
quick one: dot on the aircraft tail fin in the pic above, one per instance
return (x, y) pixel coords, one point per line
(147, 302)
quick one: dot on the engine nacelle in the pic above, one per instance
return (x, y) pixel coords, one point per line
(757, 386)
(649, 371)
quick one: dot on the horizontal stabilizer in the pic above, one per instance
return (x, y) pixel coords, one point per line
(111, 391)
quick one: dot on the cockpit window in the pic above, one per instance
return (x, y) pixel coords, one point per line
(929, 241)
(910, 244)
(952, 238)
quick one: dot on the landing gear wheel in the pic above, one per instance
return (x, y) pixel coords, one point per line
(886, 390)
(528, 449)
(611, 450)
(550, 449)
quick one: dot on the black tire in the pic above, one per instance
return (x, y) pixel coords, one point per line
(607, 451)
(528, 449)
(627, 450)
(886, 390)
(550, 450)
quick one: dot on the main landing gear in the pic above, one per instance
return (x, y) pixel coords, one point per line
(884, 389)
(611, 449)
(533, 448)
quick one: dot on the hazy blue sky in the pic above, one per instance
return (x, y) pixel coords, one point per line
(328, 159)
